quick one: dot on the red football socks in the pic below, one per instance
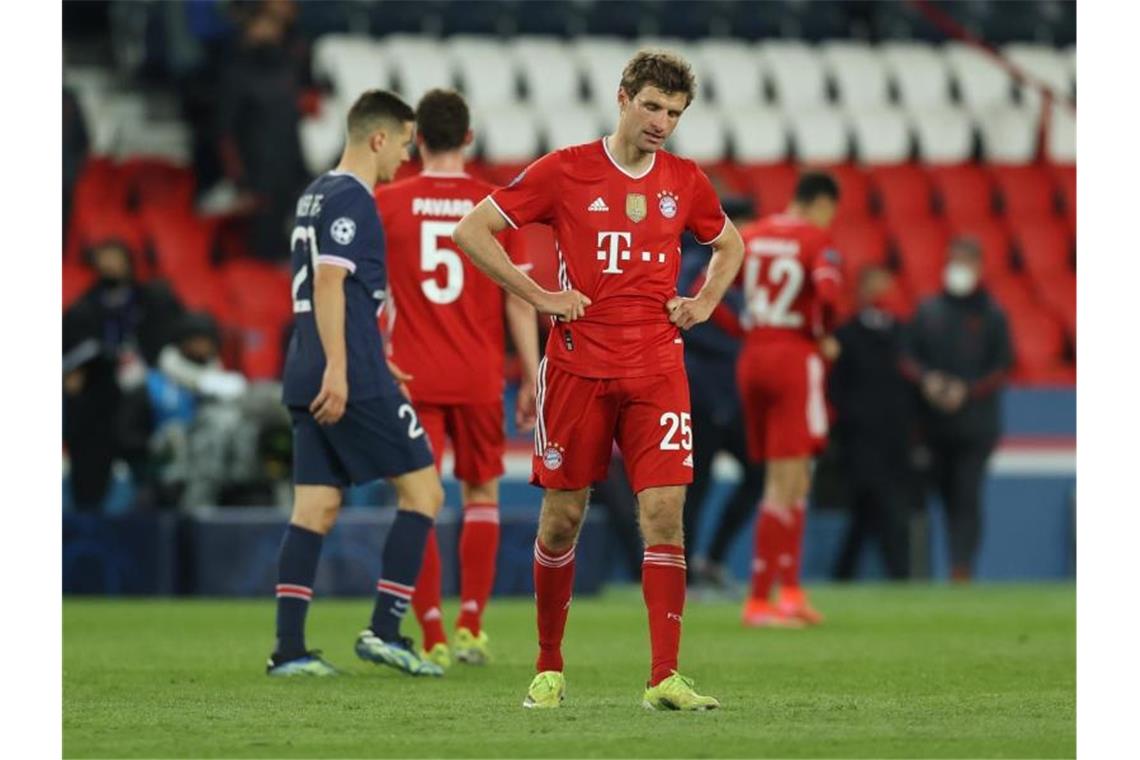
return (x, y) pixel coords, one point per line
(553, 588)
(793, 549)
(478, 551)
(425, 599)
(663, 588)
(769, 544)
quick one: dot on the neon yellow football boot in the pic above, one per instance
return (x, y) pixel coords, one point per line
(546, 691)
(439, 654)
(471, 649)
(676, 693)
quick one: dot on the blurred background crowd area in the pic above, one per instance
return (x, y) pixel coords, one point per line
(190, 128)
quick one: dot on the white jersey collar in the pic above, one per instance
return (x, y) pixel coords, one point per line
(622, 169)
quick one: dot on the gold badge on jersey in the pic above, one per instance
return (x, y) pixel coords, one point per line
(635, 207)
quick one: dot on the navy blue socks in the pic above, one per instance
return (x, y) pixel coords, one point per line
(296, 569)
(403, 555)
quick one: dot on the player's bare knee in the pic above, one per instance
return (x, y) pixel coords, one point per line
(315, 514)
(561, 520)
(661, 522)
(481, 493)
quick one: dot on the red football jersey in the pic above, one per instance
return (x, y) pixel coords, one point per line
(618, 239)
(790, 275)
(444, 319)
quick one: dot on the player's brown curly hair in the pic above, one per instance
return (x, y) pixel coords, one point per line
(666, 71)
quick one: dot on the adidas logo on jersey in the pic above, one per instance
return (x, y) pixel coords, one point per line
(598, 205)
(687, 461)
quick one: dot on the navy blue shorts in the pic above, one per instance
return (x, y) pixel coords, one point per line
(376, 438)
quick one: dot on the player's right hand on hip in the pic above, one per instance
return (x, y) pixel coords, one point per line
(328, 407)
(566, 305)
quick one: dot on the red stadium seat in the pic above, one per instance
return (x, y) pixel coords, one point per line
(77, 278)
(1026, 191)
(965, 193)
(995, 243)
(1060, 297)
(772, 186)
(180, 240)
(112, 224)
(904, 192)
(727, 177)
(1038, 345)
(921, 247)
(502, 174)
(1045, 247)
(1065, 178)
(861, 242)
(154, 182)
(854, 191)
(263, 306)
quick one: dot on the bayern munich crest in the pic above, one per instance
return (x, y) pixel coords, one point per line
(667, 203)
(552, 457)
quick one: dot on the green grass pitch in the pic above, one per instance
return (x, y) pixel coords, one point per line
(913, 671)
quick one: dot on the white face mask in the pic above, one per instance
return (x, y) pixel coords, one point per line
(960, 279)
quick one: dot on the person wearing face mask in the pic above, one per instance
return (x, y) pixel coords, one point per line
(874, 419)
(110, 334)
(957, 352)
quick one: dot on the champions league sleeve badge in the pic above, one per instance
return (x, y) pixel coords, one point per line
(343, 230)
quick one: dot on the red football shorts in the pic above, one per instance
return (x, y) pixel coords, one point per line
(781, 387)
(580, 418)
(476, 434)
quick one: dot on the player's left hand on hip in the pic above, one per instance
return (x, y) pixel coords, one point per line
(686, 312)
(398, 374)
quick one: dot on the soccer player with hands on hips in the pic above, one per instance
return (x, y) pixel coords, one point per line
(351, 424)
(445, 331)
(614, 368)
(792, 278)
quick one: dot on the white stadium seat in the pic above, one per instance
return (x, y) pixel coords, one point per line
(1009, 134)
(982, 81)
(1062, 137)
(508, 135)
(820, 135)
(734, 70)
(352, 64)
(920, 73)
(882, 135)
(548, 70)
(485, 69)
(945, 134)
(322, 137)
(700, 135)
(1043, 63)
(797, 74)
(859, 73)
(601, 60)
(759, 134)
(419, 64)
(571, 124)
(168, 140)
(683, 48)
(1070, 57)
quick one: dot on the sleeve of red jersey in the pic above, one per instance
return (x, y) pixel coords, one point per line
(827, 273)
(530, 196)
(706, 217)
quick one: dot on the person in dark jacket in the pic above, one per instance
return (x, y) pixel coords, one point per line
(110, 335)
(958, 353)
(711, 350)
(873, 431)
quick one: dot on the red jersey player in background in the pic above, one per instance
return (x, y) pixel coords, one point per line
(614, 368)
(445, 324)
(792, 281)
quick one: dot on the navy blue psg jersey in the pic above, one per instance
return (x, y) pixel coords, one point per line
(337, 225)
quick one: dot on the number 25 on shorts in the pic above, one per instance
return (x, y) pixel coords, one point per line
(677, 423)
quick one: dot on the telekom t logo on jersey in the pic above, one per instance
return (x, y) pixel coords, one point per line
(610, 250)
